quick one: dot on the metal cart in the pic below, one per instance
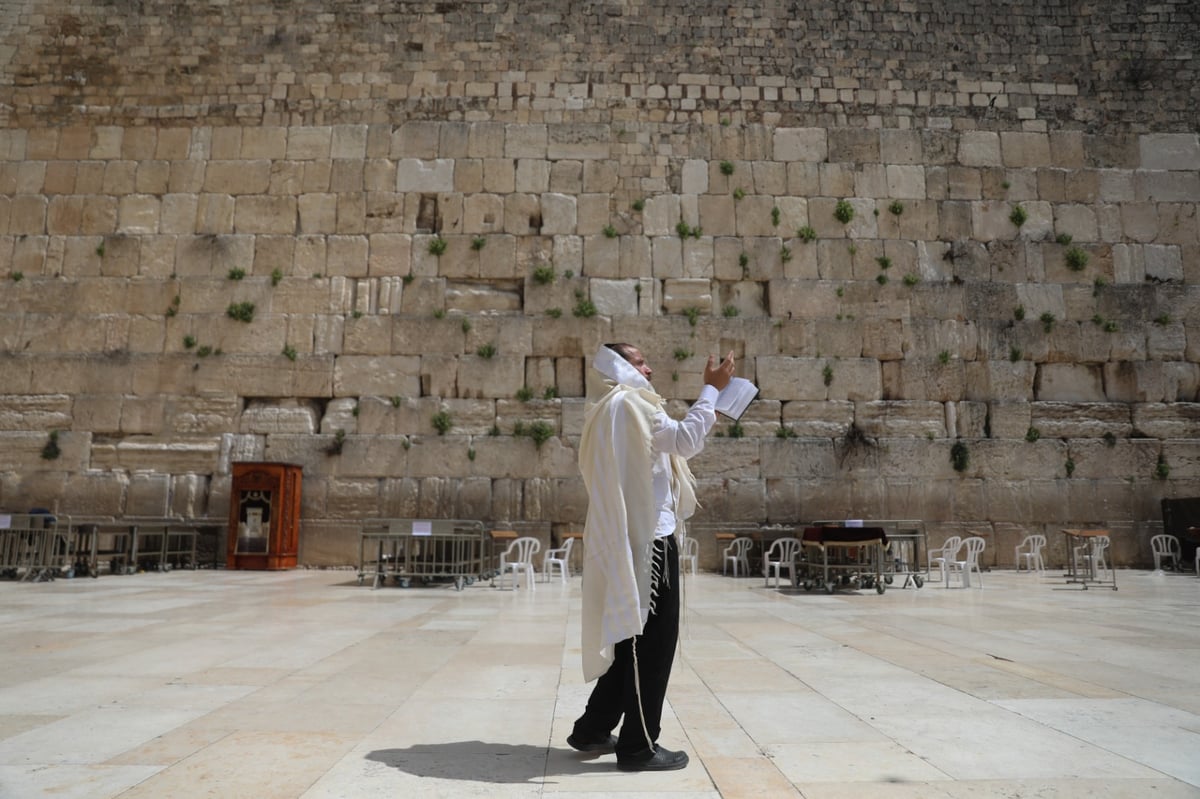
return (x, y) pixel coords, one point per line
(842, 556)
(905, 556)
(424, 549)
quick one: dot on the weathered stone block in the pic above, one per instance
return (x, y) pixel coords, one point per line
(1180, 151)
(800, 144)
(893, 418)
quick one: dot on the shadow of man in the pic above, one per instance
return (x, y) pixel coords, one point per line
(479, 761)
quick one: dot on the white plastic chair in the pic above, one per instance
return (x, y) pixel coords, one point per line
(689, 555)
(781, 557)
(1164, 547)
(1032, 556)
(519, 558)
(1092, 555)
(944, 556)
(558, 558)
(974, 547)
(737, 553)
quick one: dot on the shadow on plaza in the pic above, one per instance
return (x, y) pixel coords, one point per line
(479, 761)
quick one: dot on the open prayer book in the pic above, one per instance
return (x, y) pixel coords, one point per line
(733, 400)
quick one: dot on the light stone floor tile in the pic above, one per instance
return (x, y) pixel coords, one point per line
(305, 684)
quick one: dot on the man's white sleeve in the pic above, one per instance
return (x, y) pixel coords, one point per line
(685, 437)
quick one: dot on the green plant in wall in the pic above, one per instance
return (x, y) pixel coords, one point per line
(51, 451)
(743, 262)
(960, 456)
(486, 351)
(241, 311)
(884, 262)
(944, 356)
(610, 232)
(470, 453)
(442, 422)
(1019, 312)
(439, 313)
(544, 274)
(100, 249)
(685, 230)
(236, 273)
(1047, 321)
(466, 325)
(807, 234)
(584, 308)
(524, 393)
(1018, 216)
(408, 278)
(276, 276)
(189, 342)
(729, 311)
(289, 352)
(16, 276)
(1110, 439)
(912, 279)
(540, 432)
(783, 431)
(785, 254)
(1162, 470)
(204, 351)
(1069, 466)
(1076, 259)
(896, 207)
(478, 243)
(437, 246)
(827, 374)
(397, 401)
(1032, 434)
(682, 354)
(726, 168)
(736, 430)
(881, 279)
(639, 205)
(739, 193)
(337, 444)
(1162, 319)
(775, 213)
(843, 211)
(174, 307)
(1063, 238)
(693, 314)
(554, 313)
(1015, 354)
(550, 393)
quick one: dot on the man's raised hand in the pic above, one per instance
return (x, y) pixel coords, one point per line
(718, 375)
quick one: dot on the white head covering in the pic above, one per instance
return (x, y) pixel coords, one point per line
(612, 365)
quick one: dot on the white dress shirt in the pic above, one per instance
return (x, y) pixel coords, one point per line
(684, 437)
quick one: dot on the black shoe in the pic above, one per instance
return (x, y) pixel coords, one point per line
(594, 745)
(658, 760)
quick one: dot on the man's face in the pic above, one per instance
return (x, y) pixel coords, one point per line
(638, 361)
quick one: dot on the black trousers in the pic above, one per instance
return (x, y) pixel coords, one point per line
(641, 668)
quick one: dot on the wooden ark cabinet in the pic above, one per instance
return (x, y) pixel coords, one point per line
(264, 516)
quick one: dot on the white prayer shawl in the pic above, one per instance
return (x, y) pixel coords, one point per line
(616, 458)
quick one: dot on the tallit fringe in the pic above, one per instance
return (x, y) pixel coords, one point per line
(637, 687)
(657, 572)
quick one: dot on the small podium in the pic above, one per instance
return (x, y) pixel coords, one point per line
(264, 516)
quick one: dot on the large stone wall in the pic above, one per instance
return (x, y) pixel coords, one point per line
(443, 208)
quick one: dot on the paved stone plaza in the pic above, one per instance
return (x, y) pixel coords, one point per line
(305, 684)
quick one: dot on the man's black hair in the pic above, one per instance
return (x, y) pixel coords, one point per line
(622, 349)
